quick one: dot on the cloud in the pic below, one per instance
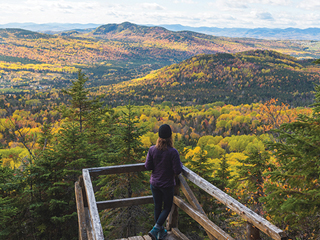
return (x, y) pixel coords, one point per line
(185, 1)
(234, 4)
(228, 5)
(219, 13)
(45, 11)
(310, 4)
(272, 2)
(152, 6)
(62, 5)
(265, 16)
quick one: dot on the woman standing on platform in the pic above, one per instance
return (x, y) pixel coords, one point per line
(164, 161)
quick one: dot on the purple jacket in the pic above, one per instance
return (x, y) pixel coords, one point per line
(164, 165)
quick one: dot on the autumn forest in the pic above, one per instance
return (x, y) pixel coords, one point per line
(245, 115)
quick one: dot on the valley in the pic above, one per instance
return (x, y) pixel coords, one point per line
(115, 53)
(239, 110)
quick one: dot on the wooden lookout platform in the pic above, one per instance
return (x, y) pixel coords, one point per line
(88, 208)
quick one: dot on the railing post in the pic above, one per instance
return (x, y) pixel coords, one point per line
(92, 206)
(192, 200)
(172, 220)
(246, 213)
(81, 212)
(253, 233)
(81, 184)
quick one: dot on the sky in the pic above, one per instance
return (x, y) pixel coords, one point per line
(195, 13)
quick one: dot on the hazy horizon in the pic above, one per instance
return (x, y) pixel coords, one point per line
(146, 24)
(194, 13)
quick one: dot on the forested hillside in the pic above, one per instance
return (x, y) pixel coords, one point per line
(241, 119)
(113, 53)
(241, 78)
(42, 153)
(245, 77)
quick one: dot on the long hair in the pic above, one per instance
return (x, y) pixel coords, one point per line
(164, 143)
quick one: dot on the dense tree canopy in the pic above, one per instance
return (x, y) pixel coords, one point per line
(43, 153)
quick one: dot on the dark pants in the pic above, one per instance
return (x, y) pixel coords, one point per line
(165, 196)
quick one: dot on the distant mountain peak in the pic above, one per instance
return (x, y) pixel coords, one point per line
(257, 33)
(22, 33)
(128, 27)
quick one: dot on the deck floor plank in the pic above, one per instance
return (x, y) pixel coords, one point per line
(170, 236)
(136, 238)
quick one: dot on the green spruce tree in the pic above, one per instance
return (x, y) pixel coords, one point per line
(81, 142)
(128, 149)
(13, 210)
(53, 207)
(293, 190)
(96, 121)
(81, 105)
(251, 179)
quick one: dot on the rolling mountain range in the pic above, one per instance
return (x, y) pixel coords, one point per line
(51, 28)
(116, 53)
(259, 33)
(190, 43)
(246, 77)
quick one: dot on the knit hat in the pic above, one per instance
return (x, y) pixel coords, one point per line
(165, 131)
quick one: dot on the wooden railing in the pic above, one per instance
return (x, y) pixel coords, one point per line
(89, 222)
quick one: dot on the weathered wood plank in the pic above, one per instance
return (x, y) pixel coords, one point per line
(202, 219)
(138, 167)
(125, 202)
(88, 224)
(172, 219)
(135, 238)
(85, 202)
(189, 194)
(80, 212)
(172, 236)
(179, 234)
(92, 205)
(147, 237)
(250, 216)
(192, 198)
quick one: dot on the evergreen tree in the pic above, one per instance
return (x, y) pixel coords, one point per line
(292, 195)
(251, 179)
(180, 146)
(80, 143)
(13, 213)
(53, 207)
(37, 200)
(96, 121)
(198, 162)
(128, 150)
(81, 106)
(222, 177)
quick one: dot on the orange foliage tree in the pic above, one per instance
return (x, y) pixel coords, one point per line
(272, 116)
